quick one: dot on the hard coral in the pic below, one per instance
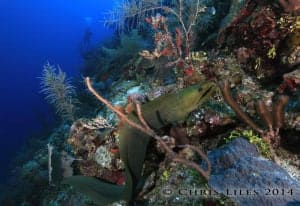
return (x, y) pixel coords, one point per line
(85, 136)
(92, 169)
(291, 81)
(264, 24)
(259, 27)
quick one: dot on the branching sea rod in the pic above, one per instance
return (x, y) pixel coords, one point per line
(274, 120)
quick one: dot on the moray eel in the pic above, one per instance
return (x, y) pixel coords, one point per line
(164, 110)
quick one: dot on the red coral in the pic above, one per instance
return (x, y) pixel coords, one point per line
(288, 83)
(189, 71)
(264, 24)
(167, 52)
(115, 177)
(180, 135)
(179, 41)
(244, 13)
(121, 180)
(180, 64)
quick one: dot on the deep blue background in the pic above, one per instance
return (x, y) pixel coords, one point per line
(32, 32)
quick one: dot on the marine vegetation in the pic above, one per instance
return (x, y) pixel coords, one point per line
(263, 147)
(59, 91)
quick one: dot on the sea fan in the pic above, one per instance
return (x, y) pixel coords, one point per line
(59, 91)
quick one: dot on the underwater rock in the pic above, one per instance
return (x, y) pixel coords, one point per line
(135, 90)
(291, 81)
(172, 179)
(128, 87)
(160, 90)
(239, 172)
(257, 35)
(229, 68)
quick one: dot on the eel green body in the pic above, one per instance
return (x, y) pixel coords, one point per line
(158, 113)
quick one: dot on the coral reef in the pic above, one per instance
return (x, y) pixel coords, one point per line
(161, 124)
(258, 35)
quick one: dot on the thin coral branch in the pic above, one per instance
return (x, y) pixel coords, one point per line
(50, 168)
(140, 116)
(195, 16)
(236, 108)
(265, 114)
(192, 165)
(103, 100)
(151, 133)
(170, 153)
(278, 111)
(121, 115)
(147, 130)
(203, 156)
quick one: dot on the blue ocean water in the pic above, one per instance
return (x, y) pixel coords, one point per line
(31, 33)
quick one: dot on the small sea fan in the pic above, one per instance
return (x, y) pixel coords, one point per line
(59, 91)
